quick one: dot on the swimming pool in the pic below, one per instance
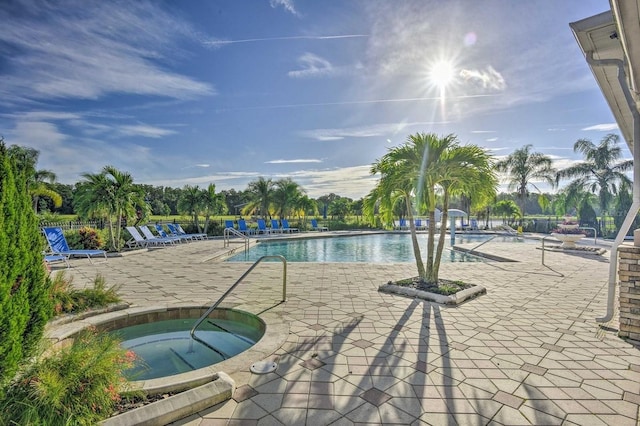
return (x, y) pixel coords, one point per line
(371, 248)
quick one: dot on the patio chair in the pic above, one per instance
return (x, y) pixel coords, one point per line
(419, 225)
(315, 227)
(53, 258)
(229, 224)
(197, 236)
(262, 227)
(285, 226)
(275, 226)
(163, 234)
(137, 240)
(242, 227)
(154, 238)
(58, 245)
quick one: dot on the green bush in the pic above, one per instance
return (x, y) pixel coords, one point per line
(77, 385)
(68, 300)
(25, 303)
(85, 238)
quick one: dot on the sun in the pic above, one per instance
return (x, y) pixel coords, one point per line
(442, 74)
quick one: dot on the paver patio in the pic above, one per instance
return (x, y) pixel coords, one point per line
(527, 352)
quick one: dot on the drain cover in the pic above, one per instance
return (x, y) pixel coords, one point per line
(263, 367)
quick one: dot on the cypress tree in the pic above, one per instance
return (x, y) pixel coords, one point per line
(25, 303)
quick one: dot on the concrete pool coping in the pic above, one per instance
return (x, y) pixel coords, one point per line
(276, 333)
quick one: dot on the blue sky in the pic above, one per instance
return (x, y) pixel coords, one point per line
(224, 91)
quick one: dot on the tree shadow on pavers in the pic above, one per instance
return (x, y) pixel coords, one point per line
(395, 380)
(297, 361)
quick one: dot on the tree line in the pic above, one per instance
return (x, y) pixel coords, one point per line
(598, 186)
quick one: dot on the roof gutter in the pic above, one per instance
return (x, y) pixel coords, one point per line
(635, 206)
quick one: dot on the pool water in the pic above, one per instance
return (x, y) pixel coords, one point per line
(372, 248)
(165, 348)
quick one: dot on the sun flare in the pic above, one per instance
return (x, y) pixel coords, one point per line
(442, 73)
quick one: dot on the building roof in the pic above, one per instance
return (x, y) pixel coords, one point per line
(615, 34)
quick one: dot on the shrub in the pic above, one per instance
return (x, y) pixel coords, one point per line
(85, 238)
(78, 385)
(25, 304)
(68, 300)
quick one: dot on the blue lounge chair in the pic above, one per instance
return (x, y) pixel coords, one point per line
(315, 227)
(262, 227)
(285, 226)
(163, 234)
(275, 226)
(229, 224)
(58, 245)
(242, 227)
(53, 258)
(155, 239)
(419, 225)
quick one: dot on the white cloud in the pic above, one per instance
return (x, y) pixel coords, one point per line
(301, 160)
(487, 79)
(286, 4)
(101, 48)
(312, 66)
(483, 131)
(491, 139)
(605, 127)
(145, 131)
(361, 132)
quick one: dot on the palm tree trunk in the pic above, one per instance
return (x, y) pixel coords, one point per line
(430, 245)
(414, 238)
(443, 235)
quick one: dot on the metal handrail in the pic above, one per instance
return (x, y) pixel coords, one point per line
(482, 243)
(595, 233)
(215, 305)
(232, 231)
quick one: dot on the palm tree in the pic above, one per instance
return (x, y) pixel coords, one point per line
(112, 195)
(523, 168)
(261, 196)
(37, 180)
(285, 196)
(415, 172)
(212, 204)
(191, 203)
(602, 172)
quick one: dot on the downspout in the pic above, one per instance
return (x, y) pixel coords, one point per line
(635, 206)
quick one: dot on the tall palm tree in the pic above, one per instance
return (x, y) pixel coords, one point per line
(191, 203)
(523, 167)
(416, 172)
(602, 172)
(285, 196)
(212, 204)
(261, 196)
(112, 195)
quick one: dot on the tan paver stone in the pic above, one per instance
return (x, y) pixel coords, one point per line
(618, 420)
(291, 416)
(248, 410)
(365, 413)
(596, 407)
(270, 402)
(438, 419)
(625, 408)
(509, 416)
(269, 421)
(584, 419)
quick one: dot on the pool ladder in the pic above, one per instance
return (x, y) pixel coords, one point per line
(215, 305)
(228, 232)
